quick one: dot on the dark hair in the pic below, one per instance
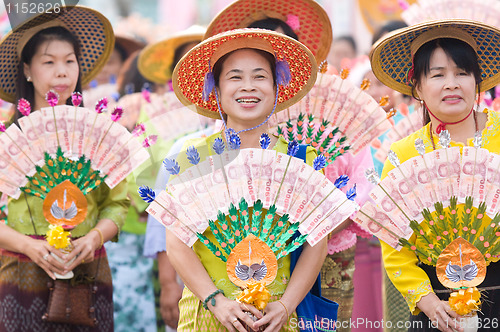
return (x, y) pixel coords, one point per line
(25, 89)
(122, 52)
(460, 52)
(217, 68)
(388, 27)
(130, 76)
(179, 53)
(348, 39)
(273, 24)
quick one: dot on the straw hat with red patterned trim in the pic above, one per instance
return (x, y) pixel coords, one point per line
(189, 74)
(306, 18)
(155, 61)
(92, 30)
(392, 56)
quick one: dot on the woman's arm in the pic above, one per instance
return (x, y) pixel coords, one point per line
(36, 250)
(171, 291)
(302, 279)
(440, 313)
(195, 277)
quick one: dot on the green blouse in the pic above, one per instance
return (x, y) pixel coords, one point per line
(103, 203)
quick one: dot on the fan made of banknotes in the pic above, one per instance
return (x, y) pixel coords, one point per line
(435, 205)
(334, 117)
(253, 201)
(169, 117)
(61, 153)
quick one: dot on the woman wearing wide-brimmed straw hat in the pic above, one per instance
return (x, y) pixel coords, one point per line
(242, 89)
(444, 64)
(59, 52)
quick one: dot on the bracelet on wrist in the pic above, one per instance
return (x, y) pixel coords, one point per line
(100, 235)
(211, 298)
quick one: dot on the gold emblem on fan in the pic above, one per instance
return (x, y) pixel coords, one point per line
(65, 205)
(461, 265)
(250, 261)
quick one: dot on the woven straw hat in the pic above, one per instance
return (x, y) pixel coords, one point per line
(155, 60)
(188, 76)
(92, 30)
(391, 57)
(313, 26)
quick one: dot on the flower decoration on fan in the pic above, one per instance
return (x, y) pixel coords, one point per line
(245, 206)
(441, 205)
(62, 152)
(335, 117)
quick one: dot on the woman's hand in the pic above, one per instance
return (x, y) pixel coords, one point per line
(39, 252)
(440, 313)
(231, 313)
(276, 316)
(170, 295)
(83, 249)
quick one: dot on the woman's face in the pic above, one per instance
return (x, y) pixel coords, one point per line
(448, 91)
(53, 67)
(246, 88)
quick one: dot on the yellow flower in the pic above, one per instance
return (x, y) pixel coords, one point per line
(465, 301)
(256, 294)
(58, 237)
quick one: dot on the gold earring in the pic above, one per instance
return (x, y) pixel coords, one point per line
(28, 78)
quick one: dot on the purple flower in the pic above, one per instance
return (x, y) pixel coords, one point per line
(341, 181)
(76, 98)
(193, 155)
(52, 98)
(218, 145)
(2, 127)
(319, 162)
(147, 194)
(149, 141)
(117, 113)
(264, 141)
(171, 166)
(101, 105)
(24, 107)
(293, 148)
(139, 130)
(351, 193)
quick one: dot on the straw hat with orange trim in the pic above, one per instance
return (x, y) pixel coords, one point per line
(92, 30)
(306, 18)
(190, 75)
(392, 56)
(155, 61)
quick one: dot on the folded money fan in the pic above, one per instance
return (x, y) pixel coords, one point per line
(334, 117)
(253, 201)
(442, 205)
(168, 117)
(61, 153)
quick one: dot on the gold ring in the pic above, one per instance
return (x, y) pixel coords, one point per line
(234, 321)
(83, 261)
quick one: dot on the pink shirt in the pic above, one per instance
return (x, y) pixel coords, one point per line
(354, 167)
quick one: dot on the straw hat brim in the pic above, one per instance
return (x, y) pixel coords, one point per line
(155, 61)
(92, 30)
(315, 29)
(391, 56)
(188, 76)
